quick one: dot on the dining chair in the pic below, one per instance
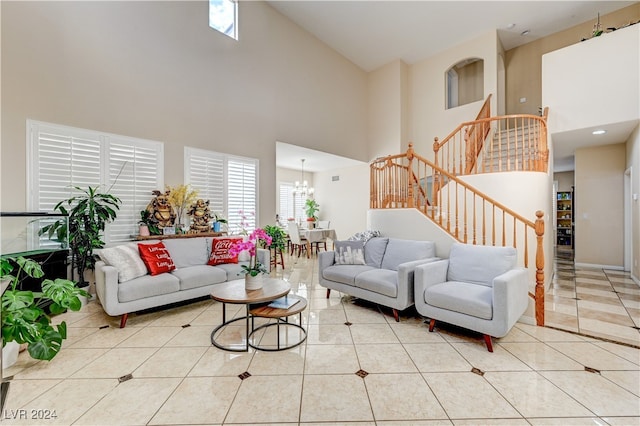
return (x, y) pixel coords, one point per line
(296, 241)
(323, 224)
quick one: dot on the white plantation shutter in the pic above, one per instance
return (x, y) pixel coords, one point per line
(228, 182)
(242, 191)
(286, 202)
(61, 157)
(299, 201)
(204, 171)
(133, 175)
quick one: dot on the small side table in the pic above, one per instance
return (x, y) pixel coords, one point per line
(282, 317)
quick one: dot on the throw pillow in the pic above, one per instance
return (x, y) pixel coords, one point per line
(156, 258)
(220, 251)
(126, 260)
(349, 253)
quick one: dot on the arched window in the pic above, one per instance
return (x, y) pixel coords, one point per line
(465, 82)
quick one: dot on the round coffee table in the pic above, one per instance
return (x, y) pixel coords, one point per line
(234, 292)
(281, 316)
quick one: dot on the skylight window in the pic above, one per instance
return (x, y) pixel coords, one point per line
(223, 16)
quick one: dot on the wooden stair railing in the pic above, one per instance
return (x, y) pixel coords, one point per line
(411, 181)
(495, 144)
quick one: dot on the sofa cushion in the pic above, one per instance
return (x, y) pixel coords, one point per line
(220, 251)
(147, 286)
(234, 271)
(465, 298)
(374, 250)
(400, 251)
(199, 276)
(156, 258)
(345, 274)
(479, 264)
(382, 281)
(187, 252)
(349, 253)
(126, 260)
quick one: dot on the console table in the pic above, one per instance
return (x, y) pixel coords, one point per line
(189, 235)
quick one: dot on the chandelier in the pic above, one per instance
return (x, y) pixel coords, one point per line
(302, 187)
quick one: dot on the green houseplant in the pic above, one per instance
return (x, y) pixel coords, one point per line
(311, 208)
(89, 212)
(278, 237)
(23, 318)
(145, 219)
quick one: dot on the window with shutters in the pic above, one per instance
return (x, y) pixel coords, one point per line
(286, 209)
(228, 182)
(61, 158)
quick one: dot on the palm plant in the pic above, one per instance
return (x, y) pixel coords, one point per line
(88, 214)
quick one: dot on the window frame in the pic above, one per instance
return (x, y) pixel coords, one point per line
(105, 163)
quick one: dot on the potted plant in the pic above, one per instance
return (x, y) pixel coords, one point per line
(254, 270)
(311, 209)
(145, 221)
(181, 197)
(278, 237)
(217, 220)
(88, 214)
(24, 321)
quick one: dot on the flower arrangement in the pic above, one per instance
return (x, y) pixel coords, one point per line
(244, 221)
(256, 238)
(181, 197)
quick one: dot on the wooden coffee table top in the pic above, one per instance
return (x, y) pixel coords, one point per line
(234, 291)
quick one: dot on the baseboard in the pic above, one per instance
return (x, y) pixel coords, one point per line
(597, 266)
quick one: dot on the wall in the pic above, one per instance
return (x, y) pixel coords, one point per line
(599, 204)
(565, 180)
(593, 83)
(155, 70)
(429, 117)
(344, 202)
(524, 63)
(387, 109)
(633, 162)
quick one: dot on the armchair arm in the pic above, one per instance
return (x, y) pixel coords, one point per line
(510, 295)
(406, 277)
(430, 274)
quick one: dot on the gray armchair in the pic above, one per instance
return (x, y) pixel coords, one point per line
(478, 288)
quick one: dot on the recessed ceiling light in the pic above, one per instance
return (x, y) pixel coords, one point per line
(511, 26)
(525, 32)
(599, 132)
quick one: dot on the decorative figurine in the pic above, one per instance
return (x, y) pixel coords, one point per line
(160, 210)
(200, 216)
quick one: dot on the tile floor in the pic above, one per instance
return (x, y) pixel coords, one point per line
(594, 302)
(372, 372)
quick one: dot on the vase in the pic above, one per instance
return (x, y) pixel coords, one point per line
(252, 283)
(216, 226)
(144, 230)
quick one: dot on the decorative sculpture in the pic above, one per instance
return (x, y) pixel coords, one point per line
(160, 211)
(200, 216)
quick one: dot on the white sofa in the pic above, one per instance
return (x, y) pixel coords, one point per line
(191, 279)
(385, 278)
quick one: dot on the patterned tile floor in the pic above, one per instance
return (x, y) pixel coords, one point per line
(595, 302)
(162, 370)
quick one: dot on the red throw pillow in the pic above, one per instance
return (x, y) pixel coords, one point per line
(156, 258)
(220, 251)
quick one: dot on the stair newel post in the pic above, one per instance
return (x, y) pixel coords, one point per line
(539, 228)
(437, 177)
(410, 155)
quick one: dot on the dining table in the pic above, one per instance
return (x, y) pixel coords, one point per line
(316, 235)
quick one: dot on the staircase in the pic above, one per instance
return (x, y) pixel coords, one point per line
(485, 145)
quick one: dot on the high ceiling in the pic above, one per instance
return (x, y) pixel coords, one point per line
(373, 33)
